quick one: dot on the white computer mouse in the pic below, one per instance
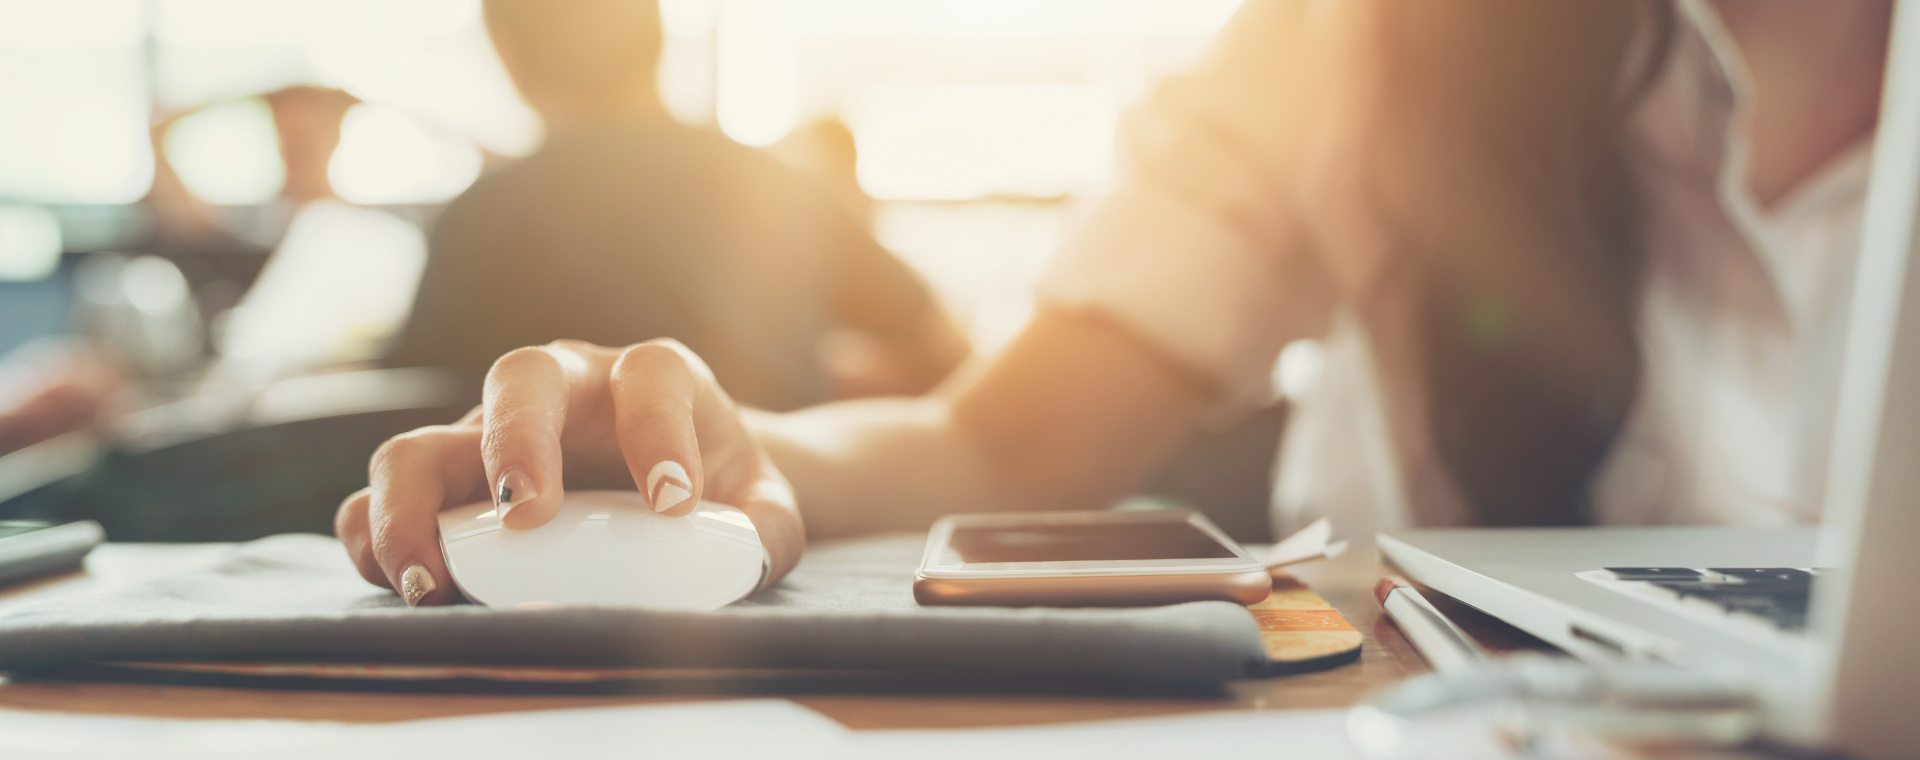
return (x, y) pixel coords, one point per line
(605, 548)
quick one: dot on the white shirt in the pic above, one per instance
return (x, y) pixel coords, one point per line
(1744, 313)
(1740, 324)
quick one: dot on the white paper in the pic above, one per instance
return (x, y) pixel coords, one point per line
(762, 729)
(1265, 734)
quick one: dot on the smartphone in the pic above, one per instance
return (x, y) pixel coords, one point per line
(1085, 559)
(31, 548)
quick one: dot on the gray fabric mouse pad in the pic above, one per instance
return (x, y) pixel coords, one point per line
(296, 598)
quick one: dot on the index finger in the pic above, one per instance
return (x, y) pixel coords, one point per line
(527, 399)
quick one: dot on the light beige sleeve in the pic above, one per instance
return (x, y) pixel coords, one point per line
(1179, 279)
(1194, 249)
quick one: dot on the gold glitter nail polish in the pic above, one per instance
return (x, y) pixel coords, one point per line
(415, 584)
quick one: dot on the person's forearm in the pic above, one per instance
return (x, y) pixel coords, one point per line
(879, 465)
(1071, 416)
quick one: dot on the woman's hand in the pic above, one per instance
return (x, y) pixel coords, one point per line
(580, 409)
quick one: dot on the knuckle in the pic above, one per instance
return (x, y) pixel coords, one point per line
(394, 449)
(575, 345)
(523, 360)
(671, 344)
(662, 359)
(399, 447)
(412, 446)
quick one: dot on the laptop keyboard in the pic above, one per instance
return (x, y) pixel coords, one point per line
(1777, 596)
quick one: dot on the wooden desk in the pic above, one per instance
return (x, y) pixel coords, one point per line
(1386, 658)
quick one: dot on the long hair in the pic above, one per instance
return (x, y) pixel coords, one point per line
(1505, 179)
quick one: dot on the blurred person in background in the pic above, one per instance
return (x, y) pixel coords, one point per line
(178, 221)
(1571, 263)
(201, 461)
(307, 121)
(824, 150)
(626, 225)
(216, 262)
(337, 286)
(295, 313)
(855, 362)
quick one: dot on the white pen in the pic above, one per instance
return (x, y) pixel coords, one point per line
(1446, 647)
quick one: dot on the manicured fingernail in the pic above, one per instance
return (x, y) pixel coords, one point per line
(415, 584)
(515, 489)
(668, 485)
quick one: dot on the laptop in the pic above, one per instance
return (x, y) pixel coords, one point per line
(1823, 623)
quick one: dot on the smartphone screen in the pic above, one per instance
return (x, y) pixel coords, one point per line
(1085, 543)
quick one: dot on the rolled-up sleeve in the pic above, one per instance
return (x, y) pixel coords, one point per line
(1179, 279)
(1195, 249)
